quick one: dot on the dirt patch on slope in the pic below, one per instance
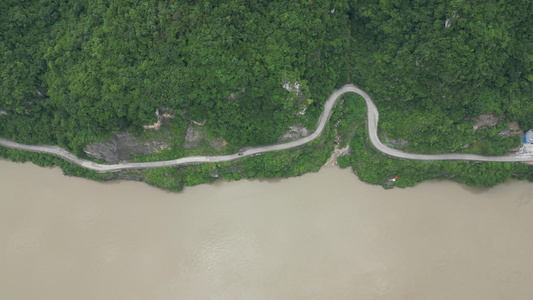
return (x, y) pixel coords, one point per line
(218, 143)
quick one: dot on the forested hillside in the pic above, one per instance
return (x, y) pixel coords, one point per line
(81, 69)
(73, 71)
(435, 63)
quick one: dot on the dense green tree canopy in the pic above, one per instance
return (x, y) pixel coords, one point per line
(73, 71)
(89, 67)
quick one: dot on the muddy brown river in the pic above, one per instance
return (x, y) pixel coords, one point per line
(320, 236)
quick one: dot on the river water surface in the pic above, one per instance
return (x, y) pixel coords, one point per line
(320, 236)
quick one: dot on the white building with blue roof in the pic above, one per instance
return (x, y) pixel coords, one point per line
(528, 137)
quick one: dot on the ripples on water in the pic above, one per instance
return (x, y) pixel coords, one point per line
(320, 236)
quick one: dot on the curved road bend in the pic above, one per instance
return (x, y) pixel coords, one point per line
(373, 117)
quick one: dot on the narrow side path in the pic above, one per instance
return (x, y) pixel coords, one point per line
(373, 118)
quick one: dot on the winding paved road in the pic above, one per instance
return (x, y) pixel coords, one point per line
(373, 117)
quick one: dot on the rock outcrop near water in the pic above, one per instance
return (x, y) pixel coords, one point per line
(121, 147)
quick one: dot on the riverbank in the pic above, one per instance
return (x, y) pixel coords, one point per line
(210, 170)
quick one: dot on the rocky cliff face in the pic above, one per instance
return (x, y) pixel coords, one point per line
(121, 147)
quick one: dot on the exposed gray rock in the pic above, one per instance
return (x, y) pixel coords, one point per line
(291, 135)
(400, 143)
(193, 137)
(120, 147)
(395, 143)
(344, 151)
(487, 120)
(292, 87)
(294, 132)
(448, 22)
(505, 133)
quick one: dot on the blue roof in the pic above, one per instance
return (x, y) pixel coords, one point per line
(528, 137)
